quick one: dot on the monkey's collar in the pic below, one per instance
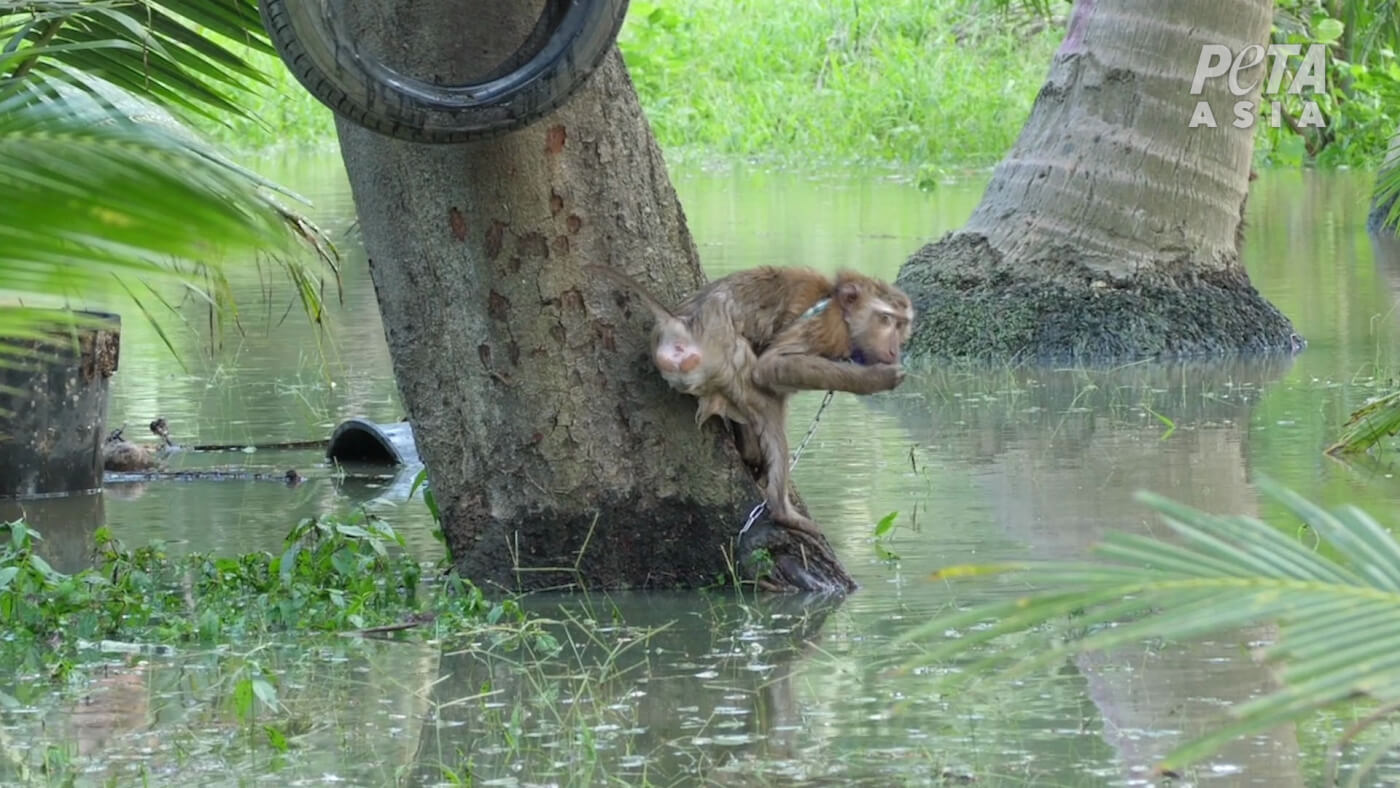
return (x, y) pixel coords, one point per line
(816, 309)
(819, 307)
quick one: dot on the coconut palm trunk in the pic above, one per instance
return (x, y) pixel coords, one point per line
(1112, 230)
(556, 454)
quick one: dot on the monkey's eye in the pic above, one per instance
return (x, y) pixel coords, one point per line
(885, 318)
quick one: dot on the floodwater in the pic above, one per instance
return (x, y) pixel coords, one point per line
(980, 466)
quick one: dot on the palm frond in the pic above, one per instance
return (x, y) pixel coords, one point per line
(162, 51)
(1368, 424)
(93, 194)
(1338, 614)
(103, 182)
(1388, 187)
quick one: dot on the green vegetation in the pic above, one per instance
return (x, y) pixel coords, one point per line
(937, 87)
(241, 647)
(106, 186)
(332, 576)
(1370, 423)
(906, 82)
(1361, 108)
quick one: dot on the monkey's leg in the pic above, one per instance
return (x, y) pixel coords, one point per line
(771, 435)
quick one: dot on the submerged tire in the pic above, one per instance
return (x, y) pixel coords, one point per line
(571, 36)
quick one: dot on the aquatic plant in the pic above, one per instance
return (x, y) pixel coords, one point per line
(333, 575)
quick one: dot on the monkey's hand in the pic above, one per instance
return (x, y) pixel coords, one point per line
(886, 377)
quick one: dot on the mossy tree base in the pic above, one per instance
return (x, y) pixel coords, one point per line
(972, 303)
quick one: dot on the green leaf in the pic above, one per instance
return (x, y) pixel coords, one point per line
(265, 692)
(104, 183)
(1328, 30)
(885, 525)
(276, 738)
(242, 698)
(351, 531)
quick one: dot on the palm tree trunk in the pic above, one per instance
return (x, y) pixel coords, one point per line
(557, 455)
(1113, 228)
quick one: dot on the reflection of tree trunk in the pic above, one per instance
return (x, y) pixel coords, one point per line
(1112, 229)
(115, 706)
(557, 454)
(67, 524)
(1155, 700)
(1057, 479)
(677, 697)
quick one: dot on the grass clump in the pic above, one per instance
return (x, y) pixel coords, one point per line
(902, 82)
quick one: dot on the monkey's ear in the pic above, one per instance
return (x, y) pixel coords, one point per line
(847, 294)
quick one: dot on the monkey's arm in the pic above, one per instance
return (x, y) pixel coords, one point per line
(799, 371)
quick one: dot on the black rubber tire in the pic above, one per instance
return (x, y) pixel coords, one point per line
(571, 39)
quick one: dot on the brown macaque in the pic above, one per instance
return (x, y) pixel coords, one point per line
(743, 344)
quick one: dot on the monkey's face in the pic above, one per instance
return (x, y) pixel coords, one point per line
(880, 319)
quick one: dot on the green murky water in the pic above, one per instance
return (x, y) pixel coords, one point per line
(1001, 464)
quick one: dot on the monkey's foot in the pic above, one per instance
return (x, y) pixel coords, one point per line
(797, 522)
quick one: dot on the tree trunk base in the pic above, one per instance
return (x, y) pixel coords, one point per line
(972, 303)
(781, 559)
(572, 551)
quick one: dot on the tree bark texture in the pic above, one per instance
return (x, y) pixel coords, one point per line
(557, 455)
(1112, 230)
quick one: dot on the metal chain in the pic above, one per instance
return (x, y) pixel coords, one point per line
(812, 430)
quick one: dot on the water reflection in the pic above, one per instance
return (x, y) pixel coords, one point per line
(350, 710)
(979, 464)
(66, 525)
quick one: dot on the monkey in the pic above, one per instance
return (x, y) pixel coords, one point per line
(743, 344)
(863, 326)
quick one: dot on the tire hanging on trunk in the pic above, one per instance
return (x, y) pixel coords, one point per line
(567, 44)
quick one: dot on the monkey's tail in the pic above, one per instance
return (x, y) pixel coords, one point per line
(660, 310)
